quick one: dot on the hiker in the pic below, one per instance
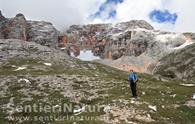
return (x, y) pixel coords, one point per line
(132, 81)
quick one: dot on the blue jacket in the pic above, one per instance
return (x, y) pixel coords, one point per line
(132, 77)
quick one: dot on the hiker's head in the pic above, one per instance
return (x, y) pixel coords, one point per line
(131, 71)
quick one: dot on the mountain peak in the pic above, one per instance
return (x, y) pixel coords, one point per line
(20, 16)
(133, 24)
(1, 16)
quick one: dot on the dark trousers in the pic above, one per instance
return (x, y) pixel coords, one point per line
(133, 88)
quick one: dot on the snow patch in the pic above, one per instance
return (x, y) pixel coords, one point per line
(63, 48)
(13, 66)
(47, 64)
(165, 38)
(188, 85)
(152, 107)
(23, 79)
(173, 41)
(174, 95)
(193, 97)
(20, 68)
(184, 45)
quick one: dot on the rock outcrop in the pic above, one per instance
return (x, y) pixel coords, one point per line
(107, 40)
(43, 33)
(179, 64)
(62, 40)
(3, 23)
(126, 45)
(18, 27)
(14, 48)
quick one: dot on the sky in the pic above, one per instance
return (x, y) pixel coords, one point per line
(171, 15)
(87, 56)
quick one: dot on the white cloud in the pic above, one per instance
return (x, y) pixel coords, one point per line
(139, 9)
(186, 16)
(63, 13)
(136, 9)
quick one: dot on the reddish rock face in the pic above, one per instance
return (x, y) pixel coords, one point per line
(110, 41)
(63, 41)
(70, 48)
(99, 47)
(74, 49)
(16, 28)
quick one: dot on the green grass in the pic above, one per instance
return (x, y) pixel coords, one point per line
(107, 81)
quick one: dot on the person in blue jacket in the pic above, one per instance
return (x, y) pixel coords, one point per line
(133, 78)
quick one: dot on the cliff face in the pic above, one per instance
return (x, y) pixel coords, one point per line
(179, 64)
(43, 33)
(126, 45)
(19, 28)
(3, 22)
(107, 40)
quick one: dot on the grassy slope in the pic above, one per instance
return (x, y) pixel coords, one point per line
(111, 86)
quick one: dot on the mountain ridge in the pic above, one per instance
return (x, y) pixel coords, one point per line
(127, 45)
(42, 72)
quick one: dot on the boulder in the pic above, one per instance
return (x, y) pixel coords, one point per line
(116, 54)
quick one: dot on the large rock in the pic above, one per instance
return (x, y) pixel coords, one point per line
(14, 48)
(43, 33)
(16, 28)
